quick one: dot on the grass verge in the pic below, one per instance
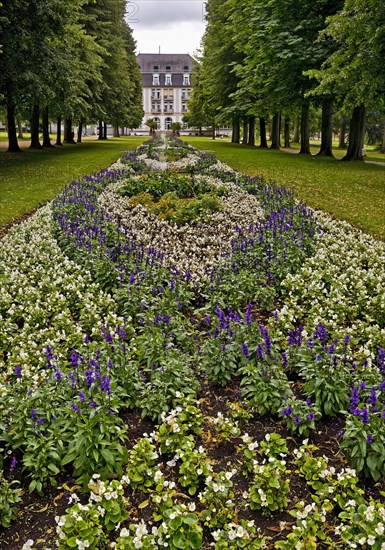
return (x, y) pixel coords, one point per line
(31, 178)
(351, 191)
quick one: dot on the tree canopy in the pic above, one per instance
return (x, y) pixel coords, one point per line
(71, 58)
(262, 58)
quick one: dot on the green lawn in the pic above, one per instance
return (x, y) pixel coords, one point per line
(31, 178)
(352, 191)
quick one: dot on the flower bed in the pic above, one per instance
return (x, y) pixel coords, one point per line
(109, 310)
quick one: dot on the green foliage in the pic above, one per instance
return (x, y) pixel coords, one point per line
(364, 442)
(180, 528)
(268, 492)
(217, 499)
(9, 498)
(195, 465)
(265, 386)
(141, 466)
(96, 445)
(240, 535)
(300, 416)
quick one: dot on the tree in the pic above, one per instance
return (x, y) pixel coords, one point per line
(152, 124)
(355, 71)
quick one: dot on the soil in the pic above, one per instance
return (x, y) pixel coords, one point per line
(36, 514)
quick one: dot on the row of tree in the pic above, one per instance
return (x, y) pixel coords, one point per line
(72, 61)
(273, 60)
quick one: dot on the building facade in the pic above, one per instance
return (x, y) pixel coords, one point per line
(167, 84)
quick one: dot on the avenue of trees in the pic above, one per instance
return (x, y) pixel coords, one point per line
(71, 62)
(283, 63)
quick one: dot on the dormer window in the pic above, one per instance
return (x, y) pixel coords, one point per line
(185, 68)
(168, 79)
(156, 67)
(155, 79)
(168, 67)
(186, 79)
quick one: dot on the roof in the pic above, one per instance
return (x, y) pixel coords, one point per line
(176, 61)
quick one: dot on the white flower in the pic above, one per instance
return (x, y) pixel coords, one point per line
(27, 545)
(82, 544)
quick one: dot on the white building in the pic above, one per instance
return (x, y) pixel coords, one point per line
(167, 84)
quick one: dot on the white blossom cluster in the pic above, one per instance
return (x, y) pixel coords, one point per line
(341, 285)
(196, 247)
(45, 298)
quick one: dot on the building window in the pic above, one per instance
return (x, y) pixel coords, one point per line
(186, 79)
(168, 93)
(157, 120)
(185, 94)
(168, 67)
(185, 68)
(168, 80)
(155, 79)
(156, 107)
(184, 108)
(167, 123)
(168, 107)
(156, 67)
(155, 94)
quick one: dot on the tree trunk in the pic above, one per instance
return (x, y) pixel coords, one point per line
(262, 132)
(382, 148)
(80, 131)
(68, 132)
(276, 132)
(213, 131)
(356, 134)
(116, 131)
(286, 132)
(296, 131)
(342, 140)
(327, 129)
(34, 122)
(19, 128)
(105, 136)
(46, 138)
(235, 135)
(13, 146)
(245, 131)
(305, 130)
(58, 131)
(251, 131)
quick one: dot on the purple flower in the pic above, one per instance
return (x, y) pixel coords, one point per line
(18, 371)
(107, 336)
(93, 404)
(105, 384)
(297, 420)
(321, 333)
(369, 438)
(364, 415)
(82, 397)
(87, 339)
(75, 408)
(58, 375)
(288, 411)
(40, 421)
(310, 417)
(259, 351)
(74, 358)
(33, 413)
(13, 464)
(245, 350)
(284, 359)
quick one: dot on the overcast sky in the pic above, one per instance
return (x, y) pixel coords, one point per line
(174, 26)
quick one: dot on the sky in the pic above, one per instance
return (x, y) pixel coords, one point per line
(174, 26)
